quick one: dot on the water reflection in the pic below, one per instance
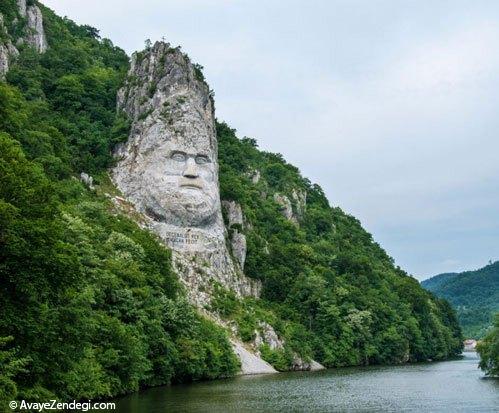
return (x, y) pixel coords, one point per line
(450, 386)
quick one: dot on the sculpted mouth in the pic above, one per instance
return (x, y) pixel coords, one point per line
(191, 183)
(193, 186)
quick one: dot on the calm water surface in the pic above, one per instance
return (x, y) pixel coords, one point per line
(450, 386)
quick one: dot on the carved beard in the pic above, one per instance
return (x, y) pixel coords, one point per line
(185, 207)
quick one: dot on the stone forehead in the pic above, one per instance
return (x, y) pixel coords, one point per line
(191, 146)
(158, 137)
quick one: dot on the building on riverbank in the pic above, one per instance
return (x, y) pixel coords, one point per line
(470, 345)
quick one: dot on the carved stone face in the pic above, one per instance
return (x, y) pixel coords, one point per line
(180, 182)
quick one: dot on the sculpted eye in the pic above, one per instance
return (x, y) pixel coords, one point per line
(178, 156)
(201, 159)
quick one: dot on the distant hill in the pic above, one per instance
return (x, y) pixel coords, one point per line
(474, 294)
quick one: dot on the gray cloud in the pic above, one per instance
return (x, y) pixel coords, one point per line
(389, 105)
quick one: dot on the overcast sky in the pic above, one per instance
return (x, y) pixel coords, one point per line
(391, 106)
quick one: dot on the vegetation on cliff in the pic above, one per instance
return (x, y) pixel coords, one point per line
(474, 295)
(331, 291)
(89, 304)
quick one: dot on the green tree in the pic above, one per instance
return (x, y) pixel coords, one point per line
(488, 349)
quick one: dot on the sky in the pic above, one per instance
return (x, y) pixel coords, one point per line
(391, 106)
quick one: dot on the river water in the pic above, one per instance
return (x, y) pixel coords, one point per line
(449, 386)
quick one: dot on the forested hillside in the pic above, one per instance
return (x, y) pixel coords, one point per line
(474, 295)
(336, 293)
(90, 306)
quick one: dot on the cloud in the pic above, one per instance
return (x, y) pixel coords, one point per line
(390, 106)
(462, 58)
(450, 262)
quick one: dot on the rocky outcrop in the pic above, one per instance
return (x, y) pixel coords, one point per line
(21, 5)
(168, 169)
(267, 335)
(292, 209)
(250, 363)
(238, 247)
(235, 223)
(300, 202)
(7, 53)
(34, 35)
(234, 213)
(285, 206)
(34, 32)
(4, 61)
(255, 176)
(7, 50)
(300, 365)
(87, 180)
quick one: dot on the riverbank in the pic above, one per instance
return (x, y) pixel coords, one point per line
(456, 386)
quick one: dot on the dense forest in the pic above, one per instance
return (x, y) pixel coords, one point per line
(334, 293)
(488, 349)
(90, 306)
(474, 295)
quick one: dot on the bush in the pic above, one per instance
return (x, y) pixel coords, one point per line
(488, 349)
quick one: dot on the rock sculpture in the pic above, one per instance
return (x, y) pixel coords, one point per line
(168, 169)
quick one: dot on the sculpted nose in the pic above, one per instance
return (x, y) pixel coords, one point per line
(191, 170)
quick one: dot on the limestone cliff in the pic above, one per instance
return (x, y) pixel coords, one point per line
(32, 34)
(235, 224)
(7, 50)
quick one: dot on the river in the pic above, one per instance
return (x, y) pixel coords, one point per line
(448, 386)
